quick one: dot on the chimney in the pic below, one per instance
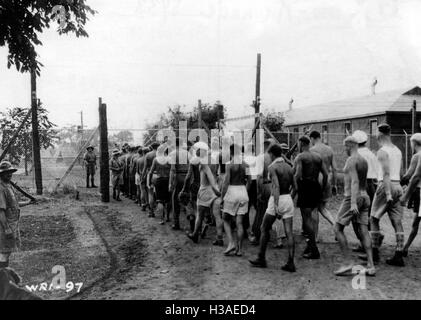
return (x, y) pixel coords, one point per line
(373, 87)
(290, 104)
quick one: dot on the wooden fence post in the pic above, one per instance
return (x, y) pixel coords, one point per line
(104, 170)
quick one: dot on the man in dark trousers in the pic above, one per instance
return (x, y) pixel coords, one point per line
(89, 160)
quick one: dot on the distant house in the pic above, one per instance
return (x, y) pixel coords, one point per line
(335, 120)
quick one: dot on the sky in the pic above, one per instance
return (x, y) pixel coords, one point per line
(145, 55)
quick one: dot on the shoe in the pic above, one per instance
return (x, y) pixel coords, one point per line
(312, 255)
(94, 186)
(162, 222)
(259, 263)
(118, 199)
(289, 266)
(278, 246)
(193, 237)
(396, 260)
(344, 271)
(175, 227)
(218, 243)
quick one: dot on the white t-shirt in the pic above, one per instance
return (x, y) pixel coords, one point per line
(373, 163)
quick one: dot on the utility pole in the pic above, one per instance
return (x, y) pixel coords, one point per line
(199, 114)
(104, 167)
(257, 122)
(36, 153)
(257, 96)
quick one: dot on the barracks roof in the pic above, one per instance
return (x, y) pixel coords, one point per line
(390, 101)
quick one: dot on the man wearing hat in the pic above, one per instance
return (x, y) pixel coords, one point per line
(414, 186)
(386, 199)
(116, 168)
(354, 208)
(9, 215)
(89, 160)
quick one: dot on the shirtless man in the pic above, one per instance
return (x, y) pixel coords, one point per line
(280, 206)
(355, 207)
(387, 196)
(149, 157)
(139, 168)
(235, 199)
(373, 169)
(414, 172)
(161, 168)
(190, 189)
(208, 191)
(132, 173)
(179, 169)
(308, 166)
(326, 153)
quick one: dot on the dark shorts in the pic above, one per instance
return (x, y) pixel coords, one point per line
(345, 217)
(309, 194)
(414, 201)
(161, 189)
(90, 169)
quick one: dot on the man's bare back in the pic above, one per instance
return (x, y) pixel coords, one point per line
(284, 174)
(326, 153)
(311, 165)
(238, 174)
(359, 164)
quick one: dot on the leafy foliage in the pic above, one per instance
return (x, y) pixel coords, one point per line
(21, 21)
(171, 119)
(22, 147)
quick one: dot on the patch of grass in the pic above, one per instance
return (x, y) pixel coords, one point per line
(40, 232)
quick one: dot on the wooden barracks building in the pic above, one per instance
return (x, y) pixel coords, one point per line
(335, 120)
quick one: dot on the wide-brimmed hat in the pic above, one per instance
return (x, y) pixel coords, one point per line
(284, 146)
(115, 152)
(90, 147)
(6, 167)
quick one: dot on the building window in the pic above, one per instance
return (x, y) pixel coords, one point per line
(348, 128)
(324, 134)
(373, 127)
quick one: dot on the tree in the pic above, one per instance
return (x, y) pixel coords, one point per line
(22, 148)
(21, 21)
(274, 122)
(171, 119)
(122, 137)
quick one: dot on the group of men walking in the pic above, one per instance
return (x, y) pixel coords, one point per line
(212, 191)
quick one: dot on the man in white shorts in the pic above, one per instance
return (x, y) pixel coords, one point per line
(280, 206)
(235, 198)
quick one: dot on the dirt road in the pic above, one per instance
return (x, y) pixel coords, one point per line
(127, 255)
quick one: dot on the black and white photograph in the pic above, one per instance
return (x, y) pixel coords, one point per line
(210, 150)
